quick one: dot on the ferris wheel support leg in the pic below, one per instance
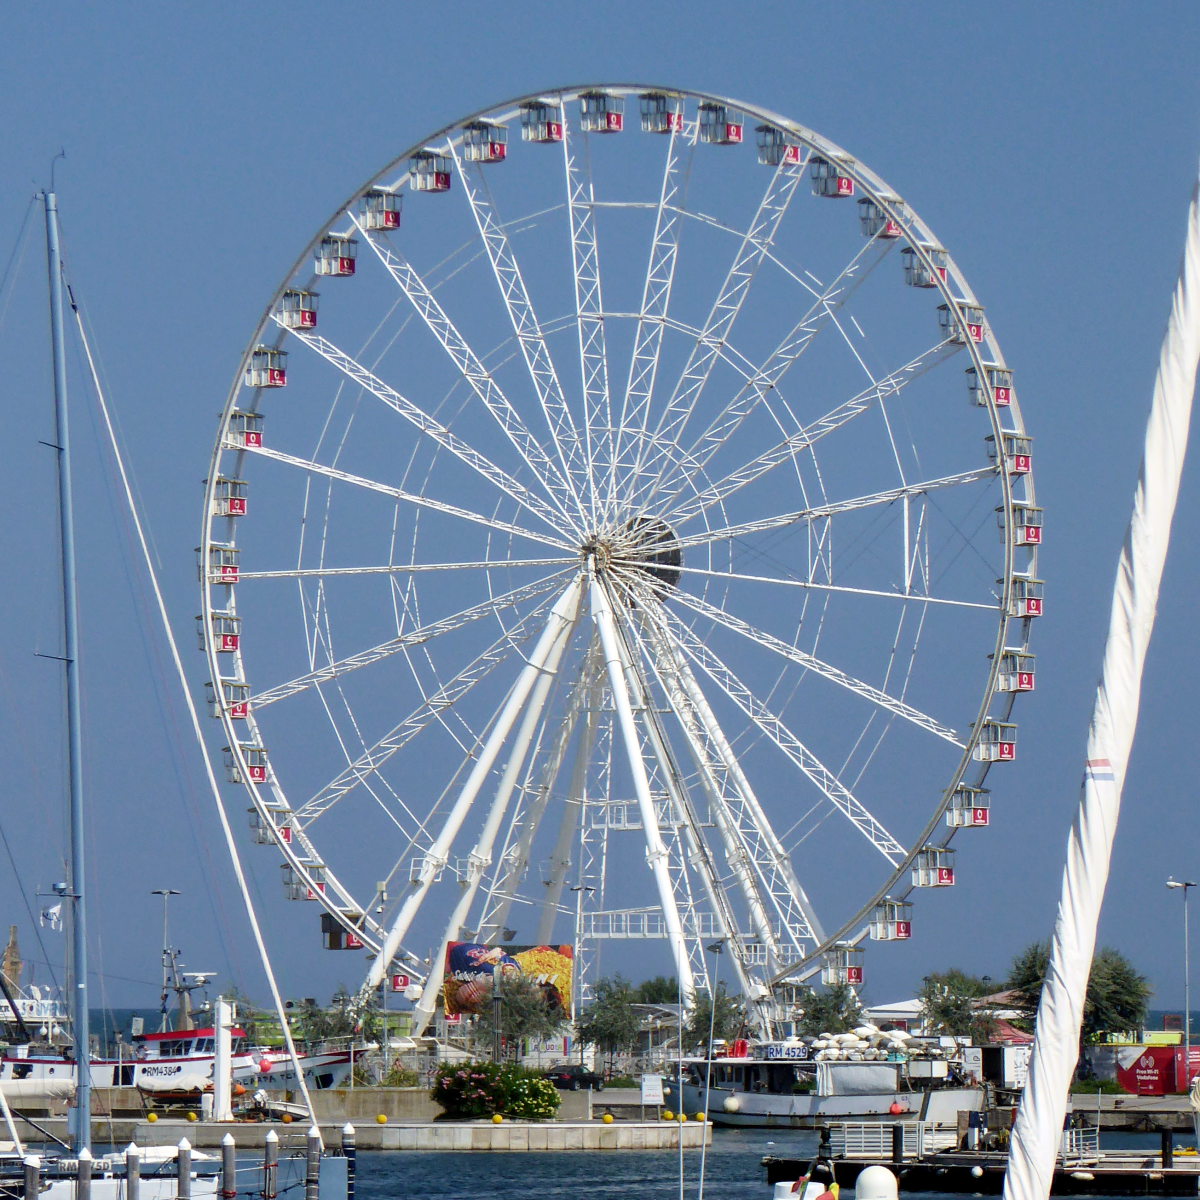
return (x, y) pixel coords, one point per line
(656, 852)
(435, 858)
(500, 901)
(667, 669)
(716, 735)
(560, 856)
(480, 858)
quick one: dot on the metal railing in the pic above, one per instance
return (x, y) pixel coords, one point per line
(1080, 1143)
(873, 1139)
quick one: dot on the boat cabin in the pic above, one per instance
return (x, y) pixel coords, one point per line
(336, 254)
(1026, 526)
(933, 867)
(255, 758)
(999, 379)
(222, 563)
(969, 808)
(1027, 597)
(541, 122)
(971, 317)
(187, 1043)
(921, 273)
(1018, 452)
(295, 887)
(380, 210)
(843, 966)
(601, 112)
(875, 219)
(298, 309)
(225, 627)
(829, 177)
(336, 931)
(267, 368)
(484, 142)
(774, 147)
(229, 497)
(892, 921)
(660, 113)
(234, 699)
(1016, 671)
(752, 1075)
(719, 125)
(997, 742)
(244, 430)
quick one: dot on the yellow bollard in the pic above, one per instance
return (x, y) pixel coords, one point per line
(700, 1117)
(496, 1118)
(668, 1115)
(682, 1117)
(191, 1116)
(607, 1119)
(152, 1117)
(381, 1119)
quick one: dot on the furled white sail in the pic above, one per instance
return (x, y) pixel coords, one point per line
(1114, 719)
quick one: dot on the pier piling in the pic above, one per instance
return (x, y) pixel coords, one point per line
(184, 1160)
(270, 1164)
(349, 1149)
(33, 1182)
(133, 1172)
(228, 1167)
(312, 1172)
(83, 1175)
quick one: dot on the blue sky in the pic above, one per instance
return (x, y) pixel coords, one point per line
(1052, 149)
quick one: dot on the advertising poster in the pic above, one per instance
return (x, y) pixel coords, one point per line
(471, 968)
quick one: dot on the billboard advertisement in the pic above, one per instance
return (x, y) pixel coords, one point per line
(471, 969)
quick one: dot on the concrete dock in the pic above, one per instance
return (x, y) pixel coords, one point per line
(395, 1135)
(1135, 1114)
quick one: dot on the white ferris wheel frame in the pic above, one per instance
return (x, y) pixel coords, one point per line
(560, 508)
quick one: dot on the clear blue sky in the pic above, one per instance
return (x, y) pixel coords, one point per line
(1053, 147)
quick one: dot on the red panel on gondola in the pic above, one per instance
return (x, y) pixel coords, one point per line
(615, 121)
(903, 929)
(228, 641)
(979, 816)
(945, 876)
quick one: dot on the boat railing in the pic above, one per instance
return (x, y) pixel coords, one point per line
(1080, 1144)
(873, 1139)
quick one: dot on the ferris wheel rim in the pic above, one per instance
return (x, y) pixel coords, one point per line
(919, 236)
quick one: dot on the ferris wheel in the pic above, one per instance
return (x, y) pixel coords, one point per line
(681, 600)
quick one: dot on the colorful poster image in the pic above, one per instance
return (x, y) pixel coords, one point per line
(471, 969)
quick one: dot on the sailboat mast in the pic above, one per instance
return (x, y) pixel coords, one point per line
(82, 1132)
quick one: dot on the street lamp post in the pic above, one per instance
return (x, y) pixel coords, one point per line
(1187, 989)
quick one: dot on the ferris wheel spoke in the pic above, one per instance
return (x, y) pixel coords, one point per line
(431, 428)
(819, 512)
(767, 378)
(432, 708)
(485, 564)
(452, 510)
(812, 585)
(589, 308)
(529, 332)
(810, 766)
(837, 417)
(810, 662)
(414, 637)
(558, 487)
(656, 299)
(724, 311)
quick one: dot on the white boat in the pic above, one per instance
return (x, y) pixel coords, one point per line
(760, 1092)
(181, 1062)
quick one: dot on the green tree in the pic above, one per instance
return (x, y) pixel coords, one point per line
(659, 990)
(835, 1010)
(1117, 995)
(949, 1004)
(525, 1012)
(727, 1016)
(609, 1022)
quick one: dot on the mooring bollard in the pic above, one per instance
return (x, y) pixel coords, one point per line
(897, 1143)
(33, 1180)
(228, 1168)
(83, 1175)
(350, 1150)
(183, 1158)
(312, 1171)
(133, 1172)
(1168, 1149)
(270, 1167)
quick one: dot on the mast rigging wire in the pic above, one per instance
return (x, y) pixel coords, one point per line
(230, 843)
